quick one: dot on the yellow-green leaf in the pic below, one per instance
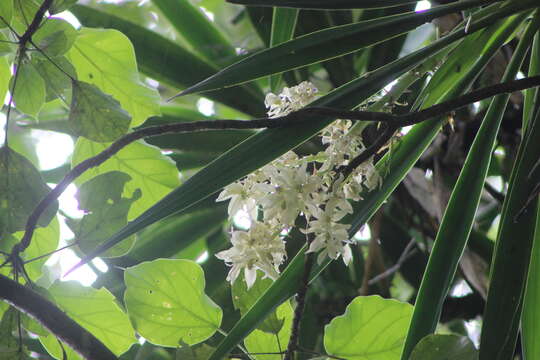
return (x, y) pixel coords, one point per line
(106, 59)
(29, 92)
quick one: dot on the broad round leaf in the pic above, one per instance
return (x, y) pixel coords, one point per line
(151, 172)
(21, 189)
(447, 347)
(106, 59)
(166, 302)
(372, 328)
(96, 115)
(96, 311)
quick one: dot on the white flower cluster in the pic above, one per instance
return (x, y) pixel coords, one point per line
(275, 195)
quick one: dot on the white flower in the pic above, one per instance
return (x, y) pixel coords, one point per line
(290, 99)
(259, 248)
(240, 199)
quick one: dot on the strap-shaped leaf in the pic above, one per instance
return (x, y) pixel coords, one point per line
(155, 54)
(207, 40)
(325, 4)
(459, 215)
(283, 26)
(513, 247)
(530, 319)
(322, 45)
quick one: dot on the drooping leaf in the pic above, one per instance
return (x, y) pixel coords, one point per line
(324, 4)
(151, 172)
(6, 9)
(55, 37)
(57, 83)
(29, 92)
(106, 58)
(96, 311)
(166, 302)
(53, 347)
(244, 298)
(106, 211)
(21, 188)
(448, 347)
(61, 5)
(95, 115)
(270, 345)
(372, 328)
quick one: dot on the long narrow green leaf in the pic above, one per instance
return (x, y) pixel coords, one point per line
(530, 319)
(322, 45)
(460, 213)
(272, 143)
(325, 4)
(512, 253)
(283, 25)
(204, 37)
(513, 249)
(155, 54)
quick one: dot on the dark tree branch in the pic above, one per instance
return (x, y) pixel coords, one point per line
(34, 25)
(300, 302)
(395, 121)
(54, 319)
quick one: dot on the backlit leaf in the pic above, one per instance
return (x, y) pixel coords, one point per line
(5, 75)
(106, 59)
(166, 302)
(372, 328)
(29, 93)
(106, 212)
(95, 115)
(55, 37)
(6, 9)
(151, 172)
(96, 311)
(21, 188)
(60, 5)
(57, 83)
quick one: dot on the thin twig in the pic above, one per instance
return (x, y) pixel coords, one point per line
(405, 255)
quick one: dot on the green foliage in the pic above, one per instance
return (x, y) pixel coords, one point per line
(166, 302)
(450, 347)
(21, 188)
(149, 208)
(371, 328)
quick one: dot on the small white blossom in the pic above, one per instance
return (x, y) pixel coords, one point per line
(290, 99)
(258, 248)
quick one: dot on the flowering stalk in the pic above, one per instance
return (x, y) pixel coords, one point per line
(293, 185)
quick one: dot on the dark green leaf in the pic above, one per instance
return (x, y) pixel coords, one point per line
(448, 347)
(9, 344)
(106, 212)
(283, 26)
(96, 115)
(57, 83)
(207, 40)
(244, 299)
(325, 4)
(322, 45)
(21, 188)
(196, 352)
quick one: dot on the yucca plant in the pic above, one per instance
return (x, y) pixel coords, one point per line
(271, 179)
